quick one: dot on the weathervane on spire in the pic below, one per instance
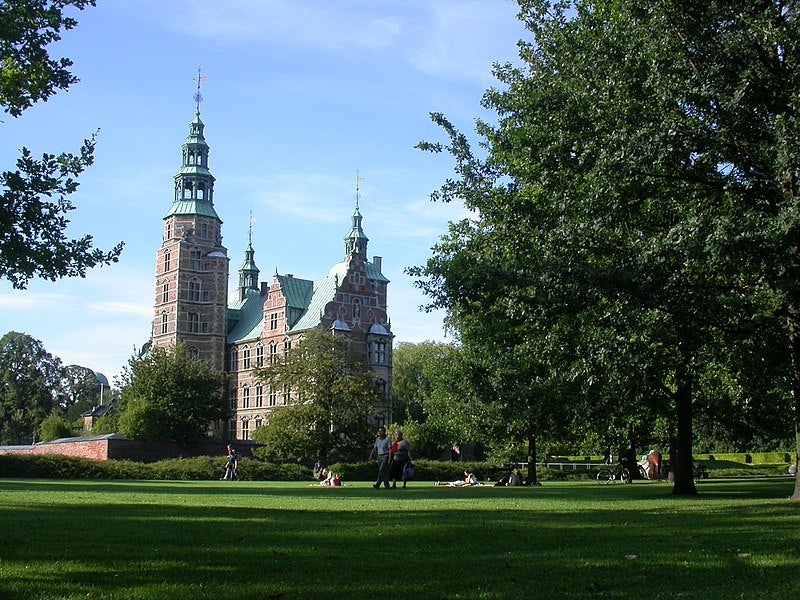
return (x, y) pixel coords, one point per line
(198, 98)
(250, 228)
(359, 179)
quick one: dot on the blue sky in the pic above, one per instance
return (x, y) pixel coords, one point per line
(299, 97)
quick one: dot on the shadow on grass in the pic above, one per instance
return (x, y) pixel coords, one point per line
(123, 540)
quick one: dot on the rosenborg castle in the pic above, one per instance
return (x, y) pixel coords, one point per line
(238, 327)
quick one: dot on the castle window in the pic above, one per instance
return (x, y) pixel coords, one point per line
(245, 429)
(273, 353)
(194, 259)
(193, 352)
(166, 261)
(201, 191)
(204, 327)
(273, 321)
(379, 353)
(165, 292)
(194, 322)
(168, 230)
(273, 396)
(187, 191)
(245, 397)
(259, 355)
(259, 397)
(259, 422)
(205, 296)
(164, 323)
(194, 290)
(204, 230)
(234, 364)
(286, 394)
(246, 357)
(232, 429)
(233, 399)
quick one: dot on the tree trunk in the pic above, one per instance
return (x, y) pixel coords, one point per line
(532, 478)
(683, 466)
(793, 322)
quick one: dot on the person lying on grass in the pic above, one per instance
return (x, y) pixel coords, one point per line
(469, 479)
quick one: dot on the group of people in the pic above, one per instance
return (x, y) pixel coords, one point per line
(329, 479)
(394, 459)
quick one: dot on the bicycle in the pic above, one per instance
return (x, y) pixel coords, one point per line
(619, 473)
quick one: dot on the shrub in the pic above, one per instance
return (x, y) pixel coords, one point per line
(54, 427)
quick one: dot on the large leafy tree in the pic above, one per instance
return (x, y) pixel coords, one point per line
(34, 197)
(435, 391)
(647, 155)
(29, 386)
(332, 396)
(169, 395)
(81, 391)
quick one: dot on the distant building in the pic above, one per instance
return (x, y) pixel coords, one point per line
(258, 321)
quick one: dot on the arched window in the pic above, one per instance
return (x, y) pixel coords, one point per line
(245, 397)
(194, 290)
(165, 291)
(245, 429)
(164, 323)
(273, 396)
(259, 355)
(194, 322)
(234, 358)
(234, 400)
(259, 397)
(246, 357)
(273, 353)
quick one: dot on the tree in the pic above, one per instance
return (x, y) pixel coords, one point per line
(648, 156)
(168, 395)
(434, 394)
(33, 240)
(333, 396)
(29, 386)
(81, 391)
(54, 427)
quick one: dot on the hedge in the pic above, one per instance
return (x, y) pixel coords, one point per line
(55, 466)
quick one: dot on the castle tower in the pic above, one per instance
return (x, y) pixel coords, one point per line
(192, 264)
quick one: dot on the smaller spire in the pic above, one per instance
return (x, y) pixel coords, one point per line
(248, 273)
(356, 241)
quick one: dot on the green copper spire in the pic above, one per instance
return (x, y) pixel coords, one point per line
(248, 272)
(356, 240)
(194, 183)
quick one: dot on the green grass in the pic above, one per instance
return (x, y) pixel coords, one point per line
(253, 540)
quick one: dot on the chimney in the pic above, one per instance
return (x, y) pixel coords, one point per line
(377, 260)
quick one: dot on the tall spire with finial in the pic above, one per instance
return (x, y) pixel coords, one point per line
(248, 273)
(356, 241)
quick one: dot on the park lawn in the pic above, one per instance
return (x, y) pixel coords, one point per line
(236, 540)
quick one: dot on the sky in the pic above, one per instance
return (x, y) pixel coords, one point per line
(300, 98)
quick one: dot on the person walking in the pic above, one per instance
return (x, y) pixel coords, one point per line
(399, 455)
(232, 465)
(380, 450)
